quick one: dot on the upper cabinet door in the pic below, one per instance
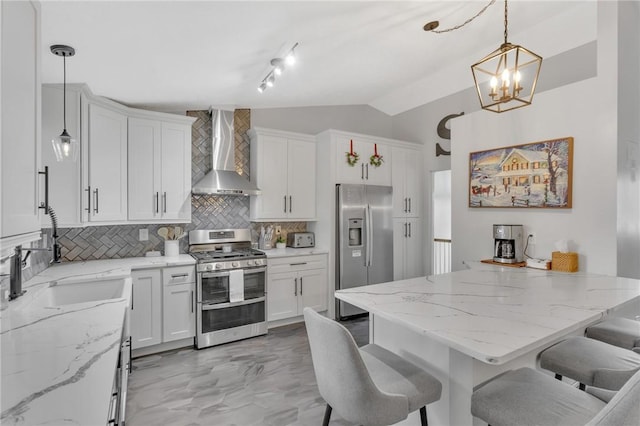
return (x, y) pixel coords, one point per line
(176, 171)
(107, 164)
(407, 182)
(345, 172)
(301, 179)
(144, 201)
(271, 171)
(20, 143)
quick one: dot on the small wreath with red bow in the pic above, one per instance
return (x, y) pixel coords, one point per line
(376, 160)
(352, 156)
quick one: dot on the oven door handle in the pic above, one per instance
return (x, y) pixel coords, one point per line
(254, 270)
(211, 306)
(214, 274)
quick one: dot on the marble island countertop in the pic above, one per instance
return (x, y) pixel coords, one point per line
(58, 362)
(495, 314)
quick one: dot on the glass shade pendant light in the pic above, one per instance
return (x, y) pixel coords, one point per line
(506, 78)
(64, 146)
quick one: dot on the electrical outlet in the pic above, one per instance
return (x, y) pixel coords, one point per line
(143, 235)
(532, 238)
(278, 230)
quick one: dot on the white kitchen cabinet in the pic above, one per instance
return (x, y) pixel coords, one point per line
(146, 308)
(20, 121)
(362, 171)
(294, 283)
(159, 170)
(407, 248)
(178, 303)
(283, 166)
(406, 181)
(107, 165)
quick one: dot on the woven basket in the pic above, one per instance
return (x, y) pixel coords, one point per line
(564, 262)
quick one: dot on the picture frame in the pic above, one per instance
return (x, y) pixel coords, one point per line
(531, 175)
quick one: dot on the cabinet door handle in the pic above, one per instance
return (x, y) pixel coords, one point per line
(45, 206)
(96, 198)
(285, 203)
(405, 229)
(300, 286)
(362, 171)
(409, 205)
(290, 203)
(367, 166)
(88, 209)
(191, 301)
(409, 229)
(405, 205)
(157, 202)
(295, 287)
(298, 264)
(164, 199)
(132, 299)
(179, 275)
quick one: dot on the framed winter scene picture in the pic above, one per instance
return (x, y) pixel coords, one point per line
(533, 175)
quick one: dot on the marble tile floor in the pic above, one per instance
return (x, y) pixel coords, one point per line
(266, 380)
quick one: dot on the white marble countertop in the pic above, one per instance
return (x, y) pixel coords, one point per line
(291, 252)
(495, 314)
(58, 363)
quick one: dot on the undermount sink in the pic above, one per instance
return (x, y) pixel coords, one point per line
(60, 294)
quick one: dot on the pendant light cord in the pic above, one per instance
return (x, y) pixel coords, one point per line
(446, 30)
(64, 91)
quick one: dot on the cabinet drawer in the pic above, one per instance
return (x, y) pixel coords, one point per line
(179, 275)
(300, 263)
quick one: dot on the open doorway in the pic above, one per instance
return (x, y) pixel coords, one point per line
(441, 214)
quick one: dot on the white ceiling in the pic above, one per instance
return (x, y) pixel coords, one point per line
(179, 55)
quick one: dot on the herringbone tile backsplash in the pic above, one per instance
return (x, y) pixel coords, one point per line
(207, 211)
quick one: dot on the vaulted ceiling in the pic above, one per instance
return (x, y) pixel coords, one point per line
(177, 55)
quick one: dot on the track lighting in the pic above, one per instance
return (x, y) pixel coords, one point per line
(278, 66)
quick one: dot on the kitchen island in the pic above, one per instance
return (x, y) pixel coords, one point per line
(468, 326)
(59, 362)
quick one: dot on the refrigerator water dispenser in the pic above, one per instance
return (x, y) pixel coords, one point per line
(355, 232)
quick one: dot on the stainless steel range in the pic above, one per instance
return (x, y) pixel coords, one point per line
(231, 286)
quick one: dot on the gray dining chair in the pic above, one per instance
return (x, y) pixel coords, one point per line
(590, 362)
(368, 385)
(621, 332)
(528, 397)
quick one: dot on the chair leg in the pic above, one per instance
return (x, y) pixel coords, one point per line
(559, 377)
(423, 416)
(327, 415)
(582, 386)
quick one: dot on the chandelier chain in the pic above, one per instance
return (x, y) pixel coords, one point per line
(506, 22)
(446, 30)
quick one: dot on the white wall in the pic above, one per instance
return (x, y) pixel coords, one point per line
(591, 224)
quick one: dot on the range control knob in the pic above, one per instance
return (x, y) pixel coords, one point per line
(218, 265)
(235, 264)
(258, 262)
(209, 267)
(250, 263)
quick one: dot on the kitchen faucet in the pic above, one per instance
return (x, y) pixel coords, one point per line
(17, 262)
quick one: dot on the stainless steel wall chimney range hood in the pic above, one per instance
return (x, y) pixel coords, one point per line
(223, 179)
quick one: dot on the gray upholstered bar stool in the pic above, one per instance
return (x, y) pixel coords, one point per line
(622, 332)
(528, 397)
(590, 362)
(370, 385)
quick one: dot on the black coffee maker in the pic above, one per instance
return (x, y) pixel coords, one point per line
(507, 247)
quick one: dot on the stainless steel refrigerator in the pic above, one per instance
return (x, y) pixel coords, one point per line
(364, 239)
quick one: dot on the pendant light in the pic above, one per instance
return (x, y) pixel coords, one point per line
(64, 146)
(506, 78)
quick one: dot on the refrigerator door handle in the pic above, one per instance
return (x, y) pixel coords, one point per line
(369, 235)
